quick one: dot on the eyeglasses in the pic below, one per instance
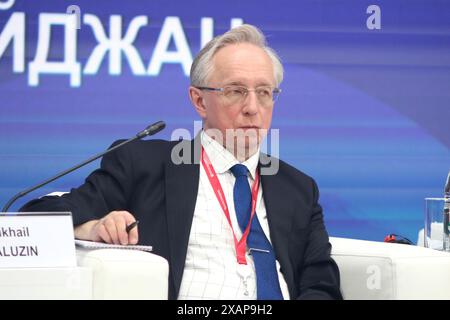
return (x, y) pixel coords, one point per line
(236, 94)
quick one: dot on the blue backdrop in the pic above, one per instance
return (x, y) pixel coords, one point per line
(365, 106)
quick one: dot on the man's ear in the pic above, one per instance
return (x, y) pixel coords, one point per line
(198, 102)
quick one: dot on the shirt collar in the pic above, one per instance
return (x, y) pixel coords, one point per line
(222, 159)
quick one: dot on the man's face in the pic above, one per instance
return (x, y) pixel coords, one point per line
(244, 65)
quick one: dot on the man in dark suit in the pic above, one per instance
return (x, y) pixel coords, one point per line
(223, 239)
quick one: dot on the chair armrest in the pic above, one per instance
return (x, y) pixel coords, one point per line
(379, 270)
(59, 283)
(125, 274)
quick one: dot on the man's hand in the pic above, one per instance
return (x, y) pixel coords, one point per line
(109, 229)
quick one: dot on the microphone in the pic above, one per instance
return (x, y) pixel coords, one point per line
(150, 130)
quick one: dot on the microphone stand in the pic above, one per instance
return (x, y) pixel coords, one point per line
(150, 130)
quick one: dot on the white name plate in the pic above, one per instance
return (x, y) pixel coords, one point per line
(36, 240)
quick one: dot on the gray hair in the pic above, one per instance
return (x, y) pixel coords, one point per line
(202, 67)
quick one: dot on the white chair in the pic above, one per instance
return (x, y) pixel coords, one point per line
(126, 274)
(379, 270)
(369, 270)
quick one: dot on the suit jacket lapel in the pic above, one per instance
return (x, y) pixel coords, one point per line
(181, 195)
(279, 215)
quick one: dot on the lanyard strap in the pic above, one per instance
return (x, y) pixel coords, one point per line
(240, 245)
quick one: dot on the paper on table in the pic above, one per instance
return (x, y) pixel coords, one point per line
(102, 245)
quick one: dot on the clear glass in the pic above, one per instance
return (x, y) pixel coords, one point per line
(436, 234)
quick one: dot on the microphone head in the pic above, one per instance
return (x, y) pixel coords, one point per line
(152, 129)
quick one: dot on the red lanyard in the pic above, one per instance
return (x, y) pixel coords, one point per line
(240, 245)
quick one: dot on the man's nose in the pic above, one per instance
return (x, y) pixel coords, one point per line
(251, 103)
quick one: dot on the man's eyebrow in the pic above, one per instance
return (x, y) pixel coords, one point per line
(240, 83)
(235, 83)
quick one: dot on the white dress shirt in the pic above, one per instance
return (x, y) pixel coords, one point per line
(210, 271)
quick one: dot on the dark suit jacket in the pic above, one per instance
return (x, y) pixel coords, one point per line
(141, 178)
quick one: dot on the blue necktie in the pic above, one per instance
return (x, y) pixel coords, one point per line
(267, 285)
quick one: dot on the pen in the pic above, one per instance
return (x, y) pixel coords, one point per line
(131, 226)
